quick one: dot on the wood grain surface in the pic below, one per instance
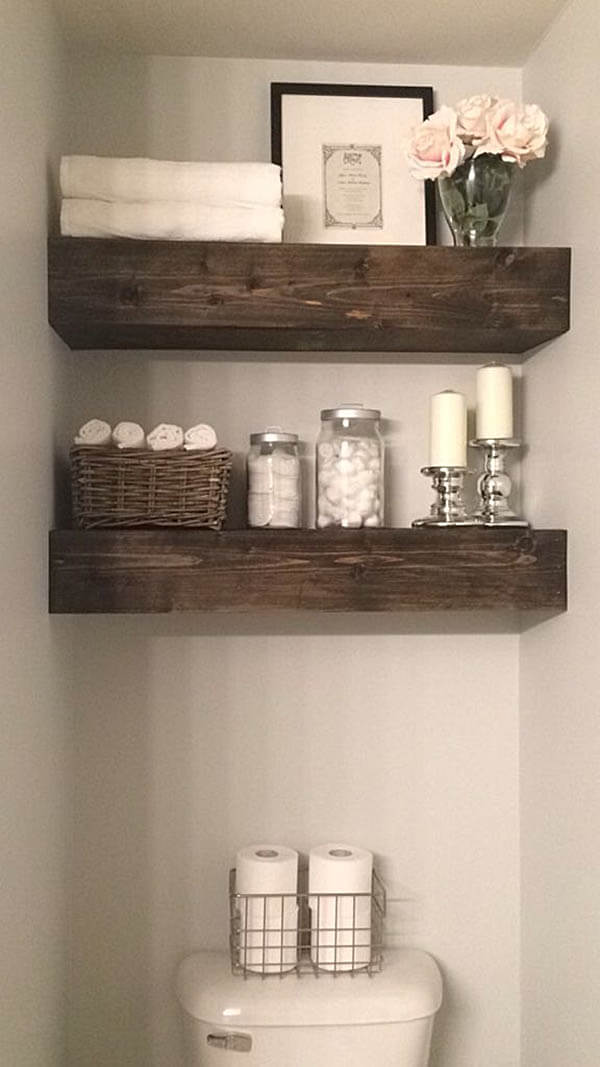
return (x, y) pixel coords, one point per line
(264, 570)
(312, 298)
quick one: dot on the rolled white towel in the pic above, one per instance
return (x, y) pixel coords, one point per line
(95, 432)
(200, 438)
(98, 178)
(165, 436)
(128, 435)
(170, 221)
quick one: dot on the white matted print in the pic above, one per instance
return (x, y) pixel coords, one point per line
(345, 173)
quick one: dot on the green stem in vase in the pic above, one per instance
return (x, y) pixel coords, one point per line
(475, 199)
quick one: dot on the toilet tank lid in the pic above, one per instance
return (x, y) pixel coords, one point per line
(408, 987)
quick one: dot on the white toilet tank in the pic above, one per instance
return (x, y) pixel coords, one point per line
(382, 1021)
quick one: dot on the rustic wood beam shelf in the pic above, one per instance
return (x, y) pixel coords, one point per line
(346, 570)
(310, 298)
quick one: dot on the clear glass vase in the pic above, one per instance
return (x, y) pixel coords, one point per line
(475, 199)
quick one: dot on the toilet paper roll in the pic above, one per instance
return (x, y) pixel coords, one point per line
(340, 919)
(267, 881)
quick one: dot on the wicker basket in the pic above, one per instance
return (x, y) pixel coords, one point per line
(113, 487)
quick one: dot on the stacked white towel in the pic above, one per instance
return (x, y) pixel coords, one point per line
(164, 221)
(158, 199)
(126, 180)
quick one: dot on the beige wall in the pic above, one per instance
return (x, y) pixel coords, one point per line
(178, 108)
(34, 706)
(560, 666)
(194, 736)
(189, 731)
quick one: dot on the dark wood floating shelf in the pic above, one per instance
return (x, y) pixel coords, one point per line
(306, 298)
(265, 570)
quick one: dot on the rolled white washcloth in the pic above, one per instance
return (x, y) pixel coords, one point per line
(164, 437)
(126, 180)
(200, 438)
(171, 221)
(128, 435)
(95, 432)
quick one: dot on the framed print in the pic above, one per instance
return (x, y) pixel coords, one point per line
(345, 174)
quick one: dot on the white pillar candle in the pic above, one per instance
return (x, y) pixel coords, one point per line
(448, 439)
(494, 401)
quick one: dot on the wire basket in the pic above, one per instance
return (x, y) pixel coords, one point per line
(299, 933)
(129, 487)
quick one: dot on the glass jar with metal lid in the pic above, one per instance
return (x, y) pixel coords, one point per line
(350, 468)
(274, 490)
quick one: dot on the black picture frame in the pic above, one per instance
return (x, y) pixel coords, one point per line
(418, 92)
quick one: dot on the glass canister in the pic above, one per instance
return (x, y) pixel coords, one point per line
(350, 468)
(274, 490)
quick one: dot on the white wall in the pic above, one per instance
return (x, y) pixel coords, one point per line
(194, 736)
(560, 667)
(34, 701)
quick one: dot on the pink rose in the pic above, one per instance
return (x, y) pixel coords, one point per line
(435, 150)
(472, 113)
(517, 134)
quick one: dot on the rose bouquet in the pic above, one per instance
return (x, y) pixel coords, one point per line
(471, 151)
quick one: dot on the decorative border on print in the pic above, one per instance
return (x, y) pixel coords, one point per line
(329, 220)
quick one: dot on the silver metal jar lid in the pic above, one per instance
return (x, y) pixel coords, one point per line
(272, 435)
(350, 411)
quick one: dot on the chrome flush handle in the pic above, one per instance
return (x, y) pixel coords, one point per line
(230, 1042)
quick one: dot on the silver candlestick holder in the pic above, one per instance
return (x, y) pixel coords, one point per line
(494, 485)
(449, 507)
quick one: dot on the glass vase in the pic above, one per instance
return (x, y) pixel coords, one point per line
(475, 199)
(350, 468)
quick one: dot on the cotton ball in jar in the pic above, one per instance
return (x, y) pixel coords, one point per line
(365, 502)
(365, 478)
(334, 493)
(344, 466)
(347, 449)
